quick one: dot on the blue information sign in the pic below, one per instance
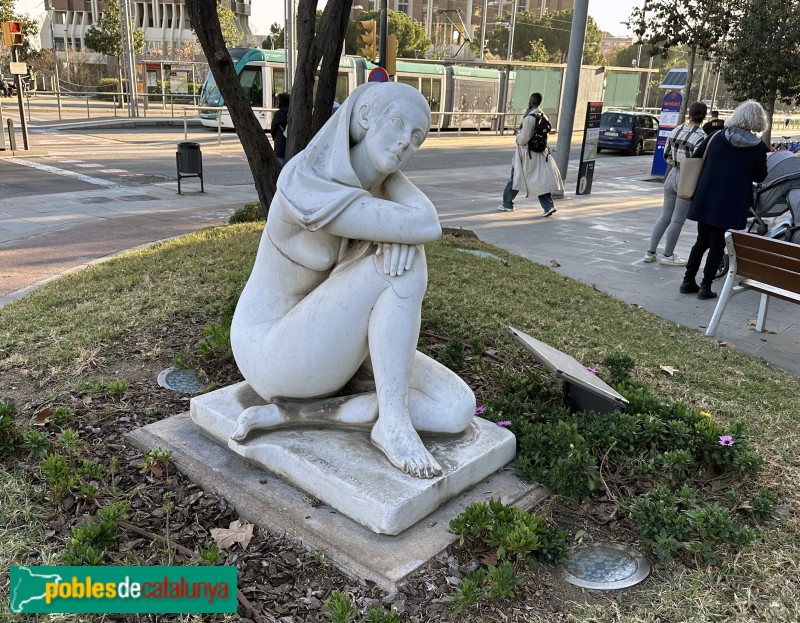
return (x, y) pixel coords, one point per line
(670, 111)
(379, 74)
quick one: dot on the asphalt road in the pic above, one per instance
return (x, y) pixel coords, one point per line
(78, 160)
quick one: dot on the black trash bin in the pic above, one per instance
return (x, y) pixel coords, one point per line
(189, 159)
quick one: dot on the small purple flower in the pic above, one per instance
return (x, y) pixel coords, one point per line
(592, 370)
(726, 440)
(504, 423)
(480, 410)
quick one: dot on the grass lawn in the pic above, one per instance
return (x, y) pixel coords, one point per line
(117, 319)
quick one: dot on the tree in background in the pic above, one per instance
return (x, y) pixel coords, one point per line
(411, 39)
(760, 58)
(552, 30)
(229, 25)
(275, 39)
(700, 25)
(262, 160)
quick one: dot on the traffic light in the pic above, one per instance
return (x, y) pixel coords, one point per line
(12, 33)
(391, 54)
(367, 39)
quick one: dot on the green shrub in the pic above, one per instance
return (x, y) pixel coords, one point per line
(250, 213)
(89, 541)
(9, 435)
(512, 532)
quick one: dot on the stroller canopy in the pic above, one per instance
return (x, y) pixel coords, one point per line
(783, 175)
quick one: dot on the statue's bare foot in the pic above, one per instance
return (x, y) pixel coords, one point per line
(401, 444)
(260, 417)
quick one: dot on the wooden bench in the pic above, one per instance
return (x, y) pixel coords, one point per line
(771, 267)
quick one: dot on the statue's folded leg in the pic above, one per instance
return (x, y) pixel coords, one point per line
(358, 412)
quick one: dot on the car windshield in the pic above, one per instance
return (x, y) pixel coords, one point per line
(616, 120)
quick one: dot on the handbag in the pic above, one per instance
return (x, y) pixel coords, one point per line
(689, 173)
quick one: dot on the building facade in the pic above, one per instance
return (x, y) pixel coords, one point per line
(165, 22)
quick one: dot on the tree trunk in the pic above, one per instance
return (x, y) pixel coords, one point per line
(330, 41)
(688, 89)
(263, 162)
(769, 106)
(306, 119)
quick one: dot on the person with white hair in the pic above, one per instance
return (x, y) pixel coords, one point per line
(736, 158)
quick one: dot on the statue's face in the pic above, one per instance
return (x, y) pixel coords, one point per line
(394, 135)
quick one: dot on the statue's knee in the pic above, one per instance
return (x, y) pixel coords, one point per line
(460, 411)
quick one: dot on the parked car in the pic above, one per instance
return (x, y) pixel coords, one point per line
(632, 132)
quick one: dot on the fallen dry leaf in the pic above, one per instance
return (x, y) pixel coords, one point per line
(235, 533)
(43, 417)
(554, 264)
(751, 322)
(671, 370)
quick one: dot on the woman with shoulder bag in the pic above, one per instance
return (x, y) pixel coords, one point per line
(682, 143)
(735, 159)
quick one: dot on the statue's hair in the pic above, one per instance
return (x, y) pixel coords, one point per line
(378, 98)
(749, 115)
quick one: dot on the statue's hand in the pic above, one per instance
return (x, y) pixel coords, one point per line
(397, 257)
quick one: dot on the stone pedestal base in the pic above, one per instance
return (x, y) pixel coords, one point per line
(344, 470)
(270, 503)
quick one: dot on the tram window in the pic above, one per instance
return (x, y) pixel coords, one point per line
(278, 85)
(342, 87)
(476, 95)
(250, 79)
(412, 82)
(432, 90)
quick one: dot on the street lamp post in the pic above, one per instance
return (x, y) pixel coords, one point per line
(566, 119)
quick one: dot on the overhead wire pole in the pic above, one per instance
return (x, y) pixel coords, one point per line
(566, 117)
(483, 28)
(511, 25)
(384, 32)
(133, 100)
(288, 43)
(55, 59)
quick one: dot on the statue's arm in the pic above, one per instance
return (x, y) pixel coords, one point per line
(406, 217)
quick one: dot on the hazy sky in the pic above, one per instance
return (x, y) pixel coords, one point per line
(607, 13)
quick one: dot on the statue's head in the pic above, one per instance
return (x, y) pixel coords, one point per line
(392, 121)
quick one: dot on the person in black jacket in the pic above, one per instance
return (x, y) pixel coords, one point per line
(715, 125)
(278, 129)
(736, 158)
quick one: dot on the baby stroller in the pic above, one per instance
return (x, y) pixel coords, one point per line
(776, 202)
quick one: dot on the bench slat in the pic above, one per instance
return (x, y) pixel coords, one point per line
(771, 274)
(766, 244)
(766, 288)
(767, 258)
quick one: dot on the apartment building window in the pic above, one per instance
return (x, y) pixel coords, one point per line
(58, 42)
(403, 6)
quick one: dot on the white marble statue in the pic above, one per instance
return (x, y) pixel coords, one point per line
(336, 290)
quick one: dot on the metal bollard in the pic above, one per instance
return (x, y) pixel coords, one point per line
(12, 139)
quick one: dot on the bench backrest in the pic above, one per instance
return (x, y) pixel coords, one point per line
(769, 261)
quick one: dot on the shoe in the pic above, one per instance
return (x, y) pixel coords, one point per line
(550, 211)
(502, 208)
(649, 257)
(705, 293)
(689, 287)
(673, 260)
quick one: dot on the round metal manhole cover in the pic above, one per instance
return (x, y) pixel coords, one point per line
(606, 566)
(180, 380)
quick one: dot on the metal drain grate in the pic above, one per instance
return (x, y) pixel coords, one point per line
(606, 566)
(180, 380)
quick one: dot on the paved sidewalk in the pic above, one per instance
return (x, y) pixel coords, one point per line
(598, 239)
